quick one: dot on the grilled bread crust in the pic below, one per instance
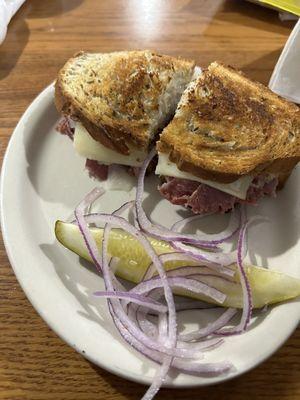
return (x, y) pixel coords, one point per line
(122, 98)
(227, 126)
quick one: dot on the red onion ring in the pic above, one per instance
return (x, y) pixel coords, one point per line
(179, 256)
(210, 328)
(134, 298)
(190, 272)
(191, 285)
(232, 228)
(209, 258)
(204, 369)
(246, 288)
(86, 234)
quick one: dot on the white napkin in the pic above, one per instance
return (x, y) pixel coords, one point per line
(8, 8)
(285, 79)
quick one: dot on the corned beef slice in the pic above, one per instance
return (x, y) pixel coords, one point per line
(96, 170)
(66, 127)
(204, 199)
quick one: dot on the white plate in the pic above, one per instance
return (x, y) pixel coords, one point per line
(43, 179)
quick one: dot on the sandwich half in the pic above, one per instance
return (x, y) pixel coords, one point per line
(231, 141)
(114, 104)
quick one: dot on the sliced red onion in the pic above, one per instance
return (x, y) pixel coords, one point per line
(162, 326)
(139, 317)
(190, 272)
(113, 220)
(200, 369)
(146, 325)
(114, 261)
(87, 236)
(158, 231)
(203, 369)
(210, 328)
(180, 224)
(171, 339)
(174, 256)
(189, 304)
(156, 351)
(151, 329)
(134, 298)
(187, 284)
(167, 257)
(179, 256)
(223, 259)
(158, 379)
(246, 288)
(167, 361)
(161, 373)
(191, 285)
(80, 219)
(206, 345)
(124, 207)
(216, 238)
(256, 218)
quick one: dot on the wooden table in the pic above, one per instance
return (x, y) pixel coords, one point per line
(34, 362)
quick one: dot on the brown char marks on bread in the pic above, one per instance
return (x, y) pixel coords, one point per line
(116, 95)
(227, 126)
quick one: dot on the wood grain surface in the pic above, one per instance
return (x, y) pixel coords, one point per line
(34, 362)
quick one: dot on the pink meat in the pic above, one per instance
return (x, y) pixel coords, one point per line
(133, 171)
(96, 170)
(178, 191)
(261, 186)
(201, 198)
(206, 199)
(66, 127)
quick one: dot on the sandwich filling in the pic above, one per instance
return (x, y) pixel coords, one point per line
(237, 188)
(204, 199)
(89, 148)
(98, 157)
(203, 196)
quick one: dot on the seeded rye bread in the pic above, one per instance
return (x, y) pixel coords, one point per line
(123, 98)
(227, 126)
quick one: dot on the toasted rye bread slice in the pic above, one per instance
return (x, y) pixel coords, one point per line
(227, 126)
(122, 97)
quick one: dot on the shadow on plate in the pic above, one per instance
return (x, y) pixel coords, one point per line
(70, 280)
(52, 174)
(36, 143)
